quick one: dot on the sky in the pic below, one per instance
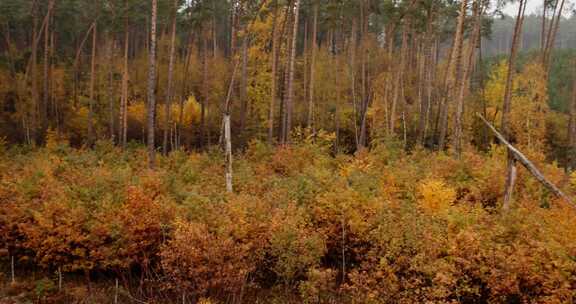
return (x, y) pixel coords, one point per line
(534, 7)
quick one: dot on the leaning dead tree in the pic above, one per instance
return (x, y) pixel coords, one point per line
(519, 156)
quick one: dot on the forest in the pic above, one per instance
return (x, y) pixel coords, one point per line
(287, 151)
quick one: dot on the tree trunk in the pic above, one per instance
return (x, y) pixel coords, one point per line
(517, 155)
(169, 89)
(92, 81)
(399, 79)
(123, 127)
(274, 74)
(34, 78)
(426, 80)
(204, 101)
(313, 69)
(572, 126)
(151, 88)
(291, 63)
(453, 71)
(511, 166)
(110, 81)
(244, 84)
(228, 153)
(458, 125)
(554, 25)
(352, 50)
(46, 87)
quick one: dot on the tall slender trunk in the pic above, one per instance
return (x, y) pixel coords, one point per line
(511, 165)
(543, 32)
(92, 82)
(362, 138)
(46, 80)
(123, 127)
(554, 25)
(34, 70)
(311, 92)
(233, 28)
(244, 84)
(572, 126)
(352, 50)
(427, 70)
(170, 88)
(454, 68)
(399, 78)
(274, 74)
(110, 81)
(291, 64)
(151, 88)
(472, 42)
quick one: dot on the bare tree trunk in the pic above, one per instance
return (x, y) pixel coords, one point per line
(204, 101)
(151, 88)
(517, 155)
(227, 136)
(34, 107)
(399, 78)
(228, 153)
(426, 78)
(311, 96)
(511, 166)
(92, 81)
(362, 138)
(110, 80)
(458, 125)
(291, 63)
(572, 126)
(170, 89)
(352, 50)
(543, 33)
(244, 84)
(123, 128)
(46, 88)
(274, 74)
(554, 25)
(453, 71)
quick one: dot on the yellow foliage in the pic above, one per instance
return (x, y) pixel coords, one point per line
(529, 102)
(435, 195)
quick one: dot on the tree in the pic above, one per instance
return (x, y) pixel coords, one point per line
(152, 87)
(511, 170)
(170, 85)
(287, 127)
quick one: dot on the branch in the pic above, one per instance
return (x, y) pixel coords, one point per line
(528, 164)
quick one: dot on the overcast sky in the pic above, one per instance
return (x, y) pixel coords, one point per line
(535, 7)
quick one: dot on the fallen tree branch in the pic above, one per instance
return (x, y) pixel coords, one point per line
(528, 164)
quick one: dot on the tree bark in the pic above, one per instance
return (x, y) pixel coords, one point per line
(313, 69)
(92, 82)
(244, 84)
(454, 67)
(274, 74)
(123, 127)
(46, 80)
(572, 126)
(519, 156)
(472, 42)
(151, 88)
(511, 166)
(170, 85)
(291, 64)
(399, 79)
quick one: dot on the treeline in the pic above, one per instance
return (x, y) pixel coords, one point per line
(365, 70)
(502, 28)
